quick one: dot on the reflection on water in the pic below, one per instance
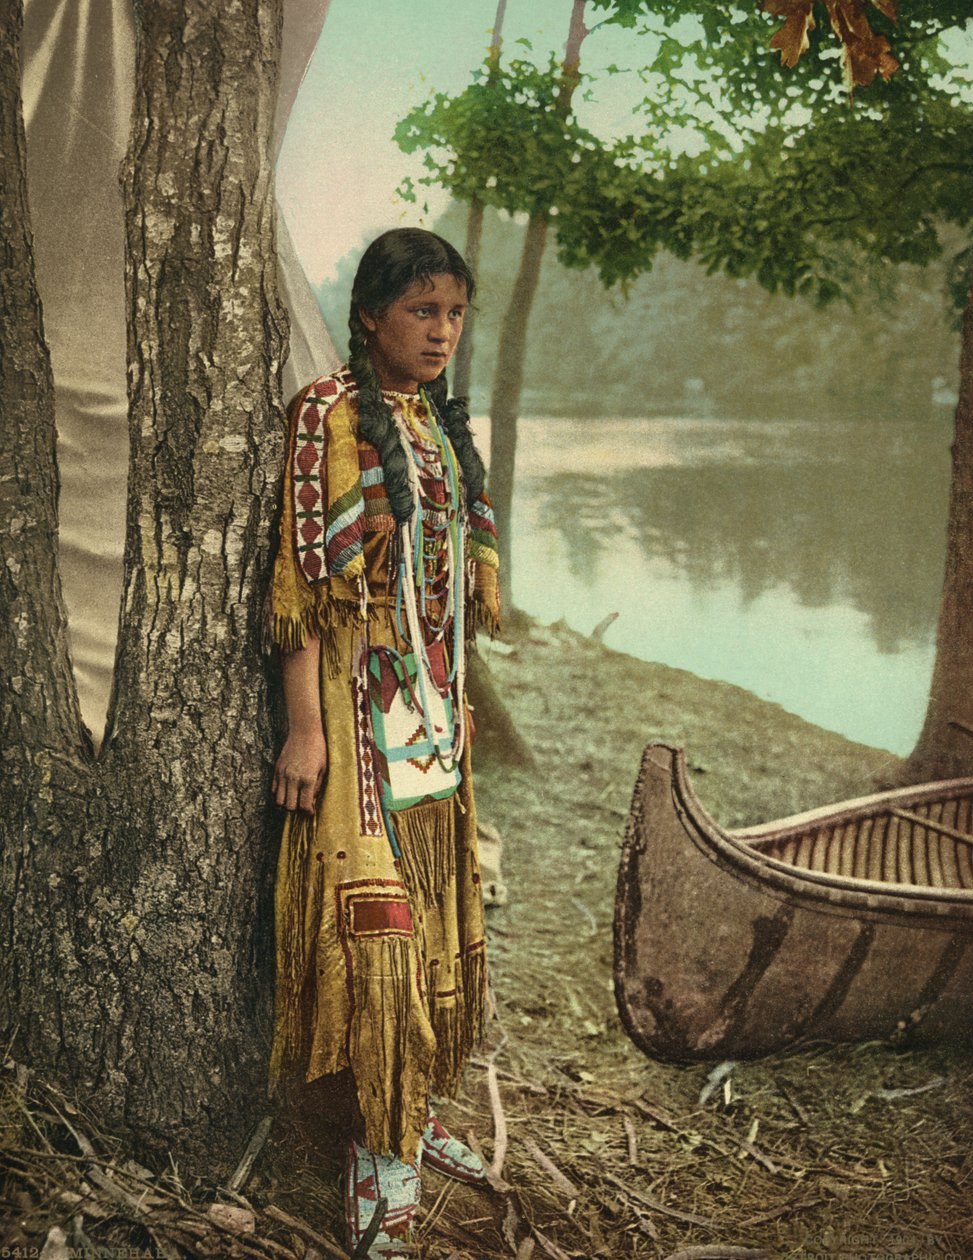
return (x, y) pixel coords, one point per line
(802, 561)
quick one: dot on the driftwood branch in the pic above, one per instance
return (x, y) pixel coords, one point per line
(598, 633)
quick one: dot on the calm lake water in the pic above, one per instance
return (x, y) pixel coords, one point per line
(802, 561)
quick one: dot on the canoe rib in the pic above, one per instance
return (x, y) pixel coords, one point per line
(727, 946)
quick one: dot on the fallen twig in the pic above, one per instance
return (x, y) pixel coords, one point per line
(254, 1147)
(719, 1253)
(532, 1087)
(374, 1225)
(548, 1245)
(658, 1114)
(794, 1105)
(907, 1093)
(499, 1121)
(493, 1181)
(302, 1227)
(201, 1229)
(656, 1206)
(104, 1180)
(435, 1212)
(786, 1210)
(632, 1140)
(756, 1153)
(508, 1227)
(548, 1165)
(718, 1074)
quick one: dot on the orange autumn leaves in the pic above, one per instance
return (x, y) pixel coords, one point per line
(865, 53)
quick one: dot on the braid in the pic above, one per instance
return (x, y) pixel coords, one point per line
(456, 421)
(375, 421)
(394, 261)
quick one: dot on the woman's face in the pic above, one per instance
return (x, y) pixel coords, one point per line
(410, 343)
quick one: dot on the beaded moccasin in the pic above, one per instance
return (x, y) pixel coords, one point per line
(448, 1155)
(369, 1178)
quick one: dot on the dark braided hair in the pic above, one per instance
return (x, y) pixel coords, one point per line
(393, 263)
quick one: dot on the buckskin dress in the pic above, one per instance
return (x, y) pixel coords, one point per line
(380, 942)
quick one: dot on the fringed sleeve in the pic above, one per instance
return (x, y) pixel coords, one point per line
(321, 521)
(484, 610)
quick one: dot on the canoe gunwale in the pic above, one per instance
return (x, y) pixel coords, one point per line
(736, 849)
(852, 810)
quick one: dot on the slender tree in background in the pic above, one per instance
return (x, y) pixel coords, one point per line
(462, 364)
(512, 348)
(510, 140)
(134, 967)
(945, 745)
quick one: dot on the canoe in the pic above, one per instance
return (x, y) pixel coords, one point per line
(848, 923)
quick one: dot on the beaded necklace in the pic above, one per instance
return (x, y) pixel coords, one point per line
(432, 575)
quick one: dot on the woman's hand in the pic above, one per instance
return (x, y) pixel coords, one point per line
(300, 770)
(303, 761)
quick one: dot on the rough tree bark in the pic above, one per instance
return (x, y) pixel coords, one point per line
(512, 346)
(945, 745)
(42, 785)
(134, 890)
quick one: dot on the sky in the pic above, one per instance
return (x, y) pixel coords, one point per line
(339, 166)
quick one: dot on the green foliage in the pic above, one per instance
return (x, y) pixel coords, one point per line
(501, 139)
(788, 208)
(788, 183)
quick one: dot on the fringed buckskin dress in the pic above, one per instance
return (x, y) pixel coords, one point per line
(380, 941)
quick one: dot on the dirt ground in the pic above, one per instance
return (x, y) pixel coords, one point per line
(799, 1155)
(852, 1152)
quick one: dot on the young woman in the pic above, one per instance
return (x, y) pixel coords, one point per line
(386, 566)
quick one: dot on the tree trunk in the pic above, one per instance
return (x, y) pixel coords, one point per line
(507, 386)
(462, 373)
(44, 764)
(498, 740)
(463, 370)
(135, 886)
(945, 746)
(512, 348)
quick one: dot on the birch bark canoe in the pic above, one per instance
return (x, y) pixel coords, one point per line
(847, 923)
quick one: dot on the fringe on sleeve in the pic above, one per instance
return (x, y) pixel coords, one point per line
(296, 608)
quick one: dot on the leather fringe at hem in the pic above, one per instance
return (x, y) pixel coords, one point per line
(427, 838)
(390, 1045)
(458, 1026)
(290, 1019)
(320, 620)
